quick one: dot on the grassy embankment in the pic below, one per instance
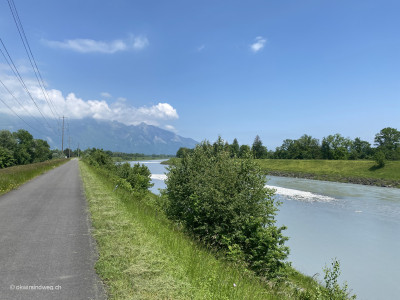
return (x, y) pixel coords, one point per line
(142, 255)
(13, 177)
(352, 171)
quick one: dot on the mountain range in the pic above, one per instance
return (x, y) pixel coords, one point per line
(108, 135)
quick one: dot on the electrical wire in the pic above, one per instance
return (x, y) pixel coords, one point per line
(32, 60)
(10, 108)
(16, 99)
(18, 75)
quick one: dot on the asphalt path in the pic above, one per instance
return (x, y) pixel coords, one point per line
(46, 249)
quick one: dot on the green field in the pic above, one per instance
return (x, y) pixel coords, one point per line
(142, 255)
(354, 171)
(13, 177)
(351, 171)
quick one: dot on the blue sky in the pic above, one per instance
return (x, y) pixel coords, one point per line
(279, 69)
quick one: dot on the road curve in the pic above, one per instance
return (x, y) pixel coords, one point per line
(46, 249)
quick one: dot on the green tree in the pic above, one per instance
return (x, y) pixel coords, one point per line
(285, 150)
(306, 147)
(41, 150)
(259, 151)
(182, 151)
(234, 148)
(220, 146)
(224, 202)
(6, 158)
(8, 145)
(335, 147)
(360, 149)
(57, 154)
(244, 151)
(388, 141)
(309, 147)
(7, 140)
(24, 152)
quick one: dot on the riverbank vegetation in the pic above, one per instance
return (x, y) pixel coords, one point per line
(13, 177)
(332, 147)
(350, 171)
(336, 158)
(143, 254)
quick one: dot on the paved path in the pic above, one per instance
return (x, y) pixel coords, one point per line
(46, 250)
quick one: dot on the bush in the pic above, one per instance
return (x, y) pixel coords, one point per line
(332, 290)
(380, 159)
(137, 176)
(99, 158)
(224, 202)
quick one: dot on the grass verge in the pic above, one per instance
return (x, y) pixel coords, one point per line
(12, 177)
(142, 255)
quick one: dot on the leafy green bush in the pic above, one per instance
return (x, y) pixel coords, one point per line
(138, 176)
(380, 159)
(99, 158)
(333, 291)
(224, 202)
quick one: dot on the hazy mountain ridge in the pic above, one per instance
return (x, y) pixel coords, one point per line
(109, 135)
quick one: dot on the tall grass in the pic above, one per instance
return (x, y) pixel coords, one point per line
(13, 177)
(144, 256)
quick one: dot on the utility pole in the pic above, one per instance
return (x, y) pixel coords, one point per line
(62, 138)
(69, 146)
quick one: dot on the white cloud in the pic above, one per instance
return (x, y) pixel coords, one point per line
(140, 42)
(78, 108)
(258, 44)
(91, 46)
(170, 128)
(105, 95)
(160, 111)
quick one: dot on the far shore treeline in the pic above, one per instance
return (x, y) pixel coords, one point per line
(333, 147)
(20, 148)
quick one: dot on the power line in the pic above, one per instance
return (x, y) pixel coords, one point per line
(18, 75)
(19, 116)
(28, 51)
(16, 99)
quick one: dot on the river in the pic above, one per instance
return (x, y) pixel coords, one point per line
(359, 225)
